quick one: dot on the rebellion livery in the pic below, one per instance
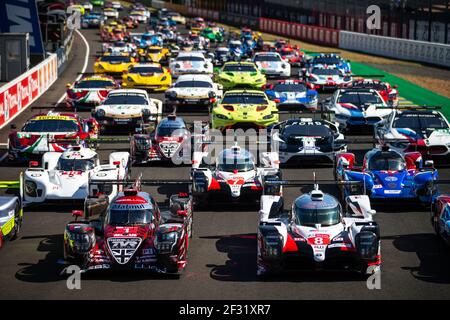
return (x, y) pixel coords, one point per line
(317, 234)
(41, 132)
(133, 234)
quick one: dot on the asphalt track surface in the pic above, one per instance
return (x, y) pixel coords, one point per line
(222, 253)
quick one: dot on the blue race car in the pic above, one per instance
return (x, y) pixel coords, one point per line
(440, 217)
(147, 40)
(236, 50)
(328, 59)
(389, 174)
(92, 20)
(292, 93)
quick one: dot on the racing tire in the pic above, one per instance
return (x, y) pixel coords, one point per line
(17, 223)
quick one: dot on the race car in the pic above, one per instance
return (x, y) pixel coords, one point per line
(118, 48)
(388, 92)
(233, 176)
(358, 108)
(150, 76)
(92, 20)
(145, 40)
(295, 93)
(440, 217)
(39, 133)
(128, 108)
(389, 174)
(193, 90)
(272, 65)
(168, 35)
(293, 55)
(113, 65)
(157, 54)
(221, 55)
(196, 25)
(130, 23)
(98, 3)
(244, 109)
(327, 78)
(329, 59)
(193, 62)
(138, 16)
(240, 75)
(117, 5)
(65, 176)
(116, 34)
(422, 129)
(133, 234)
(175, 16)
(237, 50)
(87, 6)
(317, 233)
(303, 140)
(111, 13)
(212, 34)
(11, 209)
(89, 91)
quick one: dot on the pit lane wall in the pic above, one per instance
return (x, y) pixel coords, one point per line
(20, 93)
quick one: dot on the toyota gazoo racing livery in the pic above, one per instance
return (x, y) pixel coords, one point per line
(89, 91)
(244, 109)
(421, 129)
(234, 175)
(240, 75)
(133, 234)
(171, 141)
(358, 108)
(65, 176)
(327, 78)
(307, 140)
(43, 132)
(440, 217)
(388, 92)
(389, 174)
(317, 234)
(292, 93)
(128, 108)
(11, 209)
(272, 65)
(149, 76)
(193, 62)
(330, 59)
(193, 90)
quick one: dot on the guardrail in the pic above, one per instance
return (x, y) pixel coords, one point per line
(421, 51)
(21, 92)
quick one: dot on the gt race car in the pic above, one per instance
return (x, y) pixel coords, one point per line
(113, 65)
(292, 93)
(149, 76)
(240, 75)
(244, 109)
(272, 65)
(11, 209)
(317, 233)
(193, 62)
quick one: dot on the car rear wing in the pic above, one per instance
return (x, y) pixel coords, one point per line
(14, 184)
(412, 107)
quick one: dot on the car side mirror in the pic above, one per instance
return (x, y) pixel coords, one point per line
(429, 164)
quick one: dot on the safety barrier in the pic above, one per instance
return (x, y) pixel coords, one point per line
(20, 93)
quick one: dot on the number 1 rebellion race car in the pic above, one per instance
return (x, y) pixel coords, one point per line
(132, 233)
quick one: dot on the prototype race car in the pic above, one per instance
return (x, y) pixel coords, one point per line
(40, 132)
(388, 92)
(128, 108)
(292, 93)
(330, 59)
(272, 65)
(113, 65)
(317, 233)
(240, 75)
(11, 210)
(150, 76)
(65, 176)
(388, 174)
(244, 109)
(326, 78)
(440, 217)
(422, 129)
(234, 175)
(132, 234)
(89, 91)
(305, 139)
(193, 62)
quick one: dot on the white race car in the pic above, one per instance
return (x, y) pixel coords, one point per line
(87, 6)
(233, 176)
(128, 108)
(118, 47)
(117, 5)
(193, 62)
(193, 90)
(65, 176)
(111, 13)
(272, 65)
(326, 77)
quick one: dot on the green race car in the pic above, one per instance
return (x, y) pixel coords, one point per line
(240, 75)
(98, 3)
(11, 210)
(212, 35)
(244, 109)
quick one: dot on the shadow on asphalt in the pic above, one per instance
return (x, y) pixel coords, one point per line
(433, 255)
(241, 264)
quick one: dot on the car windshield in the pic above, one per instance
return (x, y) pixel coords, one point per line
(360, 98)
(126, 99)
(326, 60)
(190, 58)
(95, 84)
(76, 164)
(287, 53)
(298, 87)
(244, 99)
(146, 70)
(193, 84)
(51, 126)
(165, 131)
(419, 121)
(322, 216)
(387, 162)
(369, 85)
(309, 129)
(326, 72)
(239, 68)
(232, 164)
(115, 59)
(129, 217)
(267, 57)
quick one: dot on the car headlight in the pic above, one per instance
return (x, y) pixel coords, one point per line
(130, 79)
(30, 188)
(165, 242)
(221, 116)
(101, 113)
(164, 78)
(269, 116)
(99, 66)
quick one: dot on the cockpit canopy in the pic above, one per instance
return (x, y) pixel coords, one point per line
(235, 159)
(309, 212)
(386, 161)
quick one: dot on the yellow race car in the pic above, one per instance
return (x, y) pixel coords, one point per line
(113, 65)
(157, 54)
(150, 76)
(244, 109)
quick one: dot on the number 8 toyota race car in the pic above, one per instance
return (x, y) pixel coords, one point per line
(134, 233)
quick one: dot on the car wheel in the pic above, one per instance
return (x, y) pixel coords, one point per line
(17, 222)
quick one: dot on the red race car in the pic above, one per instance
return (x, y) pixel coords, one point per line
(41, 132)
(388, 93)
(131, 233)
(293, 55)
